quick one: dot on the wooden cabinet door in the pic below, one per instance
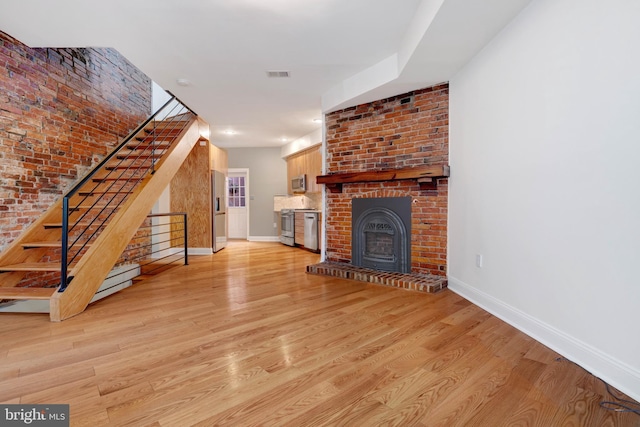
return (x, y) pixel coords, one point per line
(299, 229)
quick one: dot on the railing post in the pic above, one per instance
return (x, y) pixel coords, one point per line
(153, 147)
(65, 244)
(186, 245)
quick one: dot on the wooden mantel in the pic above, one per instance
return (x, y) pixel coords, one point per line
(426, 175)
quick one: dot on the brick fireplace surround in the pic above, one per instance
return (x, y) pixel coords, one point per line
(408, 130)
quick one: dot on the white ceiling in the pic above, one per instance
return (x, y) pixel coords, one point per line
(339, 52)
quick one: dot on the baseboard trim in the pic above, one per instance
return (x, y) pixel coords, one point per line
(264, 238)
(119, 278)
(620, 375)
(167, 252)
(199, 251)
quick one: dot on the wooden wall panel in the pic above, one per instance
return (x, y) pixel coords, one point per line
(191, 193)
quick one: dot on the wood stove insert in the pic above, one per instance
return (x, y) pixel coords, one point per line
(381, 233)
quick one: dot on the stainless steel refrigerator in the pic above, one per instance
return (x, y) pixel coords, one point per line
(219, 205)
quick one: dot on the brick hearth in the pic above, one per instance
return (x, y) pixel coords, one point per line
(416, 282)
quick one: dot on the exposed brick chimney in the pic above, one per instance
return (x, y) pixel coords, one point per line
(408, 130)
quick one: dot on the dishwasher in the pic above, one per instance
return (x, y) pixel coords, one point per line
(311, 230)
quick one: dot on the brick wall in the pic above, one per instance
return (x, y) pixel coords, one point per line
(402, 131)
(61, 112)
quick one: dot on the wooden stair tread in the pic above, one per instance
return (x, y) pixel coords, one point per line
(118, 176)
(90, 193)
(165, 128)
(87, 207)
(32, 266)
(48, 244)
(57, 224)
(26, 293)
(142, 166)
(165, 135)
(124, 178)
(147, 146)
(138, 155)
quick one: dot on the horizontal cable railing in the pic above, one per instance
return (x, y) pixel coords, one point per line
(160, 243)
(89, 205)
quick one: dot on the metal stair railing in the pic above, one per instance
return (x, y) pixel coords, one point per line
(165, 124)
(167, 247)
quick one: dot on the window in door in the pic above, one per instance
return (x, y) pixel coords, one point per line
(237, 192)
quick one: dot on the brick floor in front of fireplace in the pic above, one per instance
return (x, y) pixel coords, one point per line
(415, 282)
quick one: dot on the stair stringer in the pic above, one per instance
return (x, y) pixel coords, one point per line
(95, 264)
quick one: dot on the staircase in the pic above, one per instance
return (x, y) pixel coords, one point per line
(68, 252)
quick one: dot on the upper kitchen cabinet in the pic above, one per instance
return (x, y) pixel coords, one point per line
(219, 159)
(307, 162)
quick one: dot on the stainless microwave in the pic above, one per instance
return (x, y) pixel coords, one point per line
(299, 184)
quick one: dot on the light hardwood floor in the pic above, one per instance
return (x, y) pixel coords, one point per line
(247, 338)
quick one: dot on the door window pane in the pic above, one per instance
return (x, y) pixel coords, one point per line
(236, 192)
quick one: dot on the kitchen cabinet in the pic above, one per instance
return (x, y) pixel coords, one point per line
(307, 162)
(299, 229)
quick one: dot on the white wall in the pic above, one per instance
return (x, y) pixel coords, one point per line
(545, 181)
(158, 96)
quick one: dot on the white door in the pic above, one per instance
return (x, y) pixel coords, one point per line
(238, 203)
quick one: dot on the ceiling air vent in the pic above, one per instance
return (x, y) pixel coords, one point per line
(277, 74)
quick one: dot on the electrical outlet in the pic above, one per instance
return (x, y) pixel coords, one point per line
(479, 260)
(275, 225)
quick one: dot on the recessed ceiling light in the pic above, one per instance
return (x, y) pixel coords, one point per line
(283, 139)
(183, 82)
(229, 132)
(317, 120)
(278, 74)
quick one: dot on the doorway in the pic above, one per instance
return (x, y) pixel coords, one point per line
(238, 203)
